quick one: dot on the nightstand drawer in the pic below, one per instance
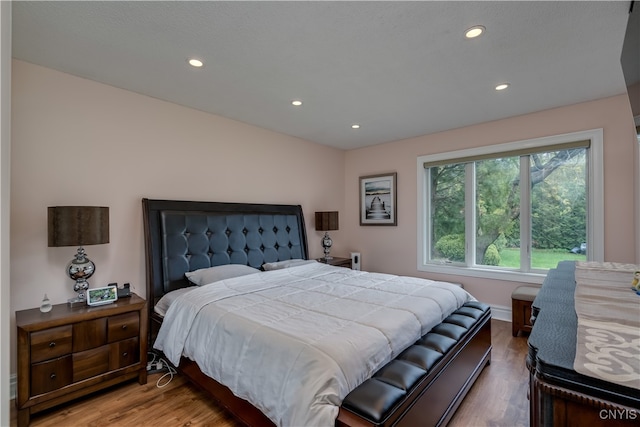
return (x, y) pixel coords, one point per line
(123, 326)
(90, 363)
(50, 343)
(124, 353)
(50, 375)
(89, 334)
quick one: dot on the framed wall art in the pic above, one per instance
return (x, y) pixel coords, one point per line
(378, 202)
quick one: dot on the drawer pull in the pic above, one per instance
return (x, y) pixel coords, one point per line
(52, 344)
(52, 376)
(125, 354)
(124, 326)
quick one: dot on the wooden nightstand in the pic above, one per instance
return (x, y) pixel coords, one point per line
(71, 352)
(338, 262)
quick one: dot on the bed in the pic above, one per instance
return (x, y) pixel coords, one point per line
(398, 365)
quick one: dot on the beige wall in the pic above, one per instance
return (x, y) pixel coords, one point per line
(75, 141)
(78, 142)
(394, 249)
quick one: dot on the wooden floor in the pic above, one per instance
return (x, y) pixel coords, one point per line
(498, 398)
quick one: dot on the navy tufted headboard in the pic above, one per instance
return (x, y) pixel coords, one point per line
(183, 236)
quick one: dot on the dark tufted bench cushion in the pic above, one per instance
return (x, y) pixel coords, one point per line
(378, 396)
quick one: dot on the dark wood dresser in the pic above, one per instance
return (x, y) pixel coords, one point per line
(71, 352)
(558, 395)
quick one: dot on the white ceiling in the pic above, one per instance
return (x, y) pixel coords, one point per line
(400, 69)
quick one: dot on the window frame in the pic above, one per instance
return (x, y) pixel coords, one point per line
(595, 205)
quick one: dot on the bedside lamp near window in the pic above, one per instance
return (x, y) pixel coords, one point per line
(78, 226)
(326, 221)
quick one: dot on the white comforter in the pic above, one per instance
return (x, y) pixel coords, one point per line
(295, 342)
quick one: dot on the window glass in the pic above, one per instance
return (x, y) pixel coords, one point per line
(498, 212)
(447, 189)
(558, 207)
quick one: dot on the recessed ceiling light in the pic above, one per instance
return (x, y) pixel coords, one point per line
(355, 126)
(296, 102)
(474, 32)
(195, 62)
(502, 86)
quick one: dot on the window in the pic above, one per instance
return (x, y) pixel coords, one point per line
(512, 211)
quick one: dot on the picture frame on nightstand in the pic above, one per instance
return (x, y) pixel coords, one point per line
(100, 296)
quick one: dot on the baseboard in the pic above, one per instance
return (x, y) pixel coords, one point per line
(499, 312)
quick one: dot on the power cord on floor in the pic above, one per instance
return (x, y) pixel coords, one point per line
(157, 364)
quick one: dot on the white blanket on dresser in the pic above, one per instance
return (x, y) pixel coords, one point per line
(295, 342)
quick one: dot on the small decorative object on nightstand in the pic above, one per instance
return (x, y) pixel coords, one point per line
(68, 352)
(326, 221)
(45, 306)
(78, 226)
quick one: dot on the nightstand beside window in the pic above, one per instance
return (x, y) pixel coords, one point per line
(336, 261)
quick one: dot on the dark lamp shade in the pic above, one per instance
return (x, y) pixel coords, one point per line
(326, 221)
(78, 225)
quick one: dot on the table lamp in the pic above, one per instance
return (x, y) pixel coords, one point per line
(78, 226)
(326, 221)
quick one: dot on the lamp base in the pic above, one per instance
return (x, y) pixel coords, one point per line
(326, 244)
(77, 302)
(80, 269)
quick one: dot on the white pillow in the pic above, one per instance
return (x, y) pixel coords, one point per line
(285, 264)
(205, 276)
(163, 305)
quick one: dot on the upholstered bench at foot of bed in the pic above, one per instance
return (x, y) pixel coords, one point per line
(386, 397)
